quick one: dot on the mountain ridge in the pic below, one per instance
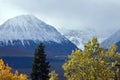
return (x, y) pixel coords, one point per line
(113, 39)
(81, 37)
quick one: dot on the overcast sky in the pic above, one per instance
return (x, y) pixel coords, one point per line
(101, 15)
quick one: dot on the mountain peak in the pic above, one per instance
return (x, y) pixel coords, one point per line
(28, 27)
(26, 17)
(23, 19)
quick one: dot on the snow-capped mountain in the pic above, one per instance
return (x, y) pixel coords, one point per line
(113, 39)
(28, 27)
(80, 37)
(25, 32)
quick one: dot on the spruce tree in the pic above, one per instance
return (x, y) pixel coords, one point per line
(40, 67)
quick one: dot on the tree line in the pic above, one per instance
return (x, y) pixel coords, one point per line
(93, 63)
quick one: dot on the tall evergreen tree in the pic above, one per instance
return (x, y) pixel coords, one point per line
(40, 67)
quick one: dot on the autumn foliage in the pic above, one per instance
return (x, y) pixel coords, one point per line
(53, 75)
(93, 63)
(6, 74)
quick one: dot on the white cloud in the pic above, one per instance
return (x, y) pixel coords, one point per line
(8, 11)
(102, 15)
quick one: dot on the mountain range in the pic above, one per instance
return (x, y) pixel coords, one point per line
(81, 37)
(19, 36)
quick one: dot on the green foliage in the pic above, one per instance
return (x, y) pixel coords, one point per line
(53, 75)
(40, 67)
(94, 63)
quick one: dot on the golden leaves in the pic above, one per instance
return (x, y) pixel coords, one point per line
(6, 74)
(94, 63)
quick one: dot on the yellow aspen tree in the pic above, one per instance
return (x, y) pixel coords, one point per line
(6, 74)
(53, 75)
(93, 63)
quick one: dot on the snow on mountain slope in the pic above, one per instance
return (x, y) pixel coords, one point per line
(28, 27)
(22, 34)
(113, 39)
(80, 37)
